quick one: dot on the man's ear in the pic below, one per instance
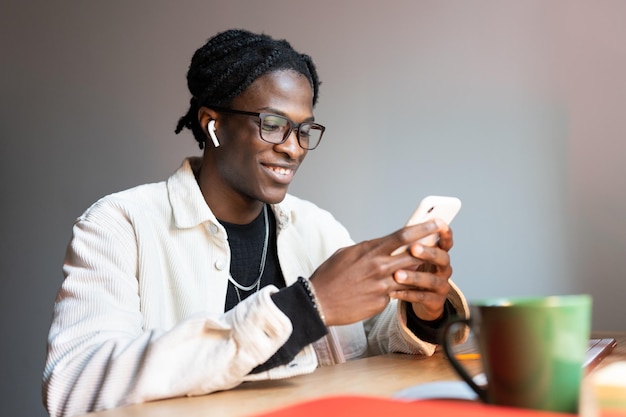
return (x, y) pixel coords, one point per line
(207, 121)
(205, 115)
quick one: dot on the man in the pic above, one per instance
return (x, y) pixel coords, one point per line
(218, 276)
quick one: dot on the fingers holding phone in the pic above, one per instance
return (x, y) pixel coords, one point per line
(428, 286)
(368, 271)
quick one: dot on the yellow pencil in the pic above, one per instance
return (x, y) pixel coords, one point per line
(467, 356)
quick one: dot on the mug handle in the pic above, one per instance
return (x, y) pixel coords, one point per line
(460, 370)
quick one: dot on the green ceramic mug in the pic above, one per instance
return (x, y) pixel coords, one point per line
(532, 350)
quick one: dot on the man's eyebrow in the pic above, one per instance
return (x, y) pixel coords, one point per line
(281, 113)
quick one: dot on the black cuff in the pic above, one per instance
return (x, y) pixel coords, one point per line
(308, 327)
(428, 330)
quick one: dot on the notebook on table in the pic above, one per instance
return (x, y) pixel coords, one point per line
(598, 350)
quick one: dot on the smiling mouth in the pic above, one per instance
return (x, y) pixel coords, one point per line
(280, 174)
(280, 170)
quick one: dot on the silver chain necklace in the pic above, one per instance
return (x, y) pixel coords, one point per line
(256, 283)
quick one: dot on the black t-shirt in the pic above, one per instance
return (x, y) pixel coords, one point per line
(246, 245)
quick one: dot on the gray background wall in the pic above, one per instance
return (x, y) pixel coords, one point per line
(516, 107)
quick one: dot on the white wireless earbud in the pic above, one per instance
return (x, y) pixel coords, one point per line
(211, 129)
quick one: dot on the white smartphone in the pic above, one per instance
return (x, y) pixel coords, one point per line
(433, 206)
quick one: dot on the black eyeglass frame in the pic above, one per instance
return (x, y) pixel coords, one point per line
(292, 125)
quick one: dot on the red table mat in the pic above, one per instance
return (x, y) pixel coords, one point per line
(374, 407)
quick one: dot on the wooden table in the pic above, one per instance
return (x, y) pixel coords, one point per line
(380, 376)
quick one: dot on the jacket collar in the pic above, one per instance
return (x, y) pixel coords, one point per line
(189, 208)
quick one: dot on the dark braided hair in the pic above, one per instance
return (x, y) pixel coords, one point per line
(229, 62)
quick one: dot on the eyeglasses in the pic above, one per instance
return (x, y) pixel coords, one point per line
(276, 129)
